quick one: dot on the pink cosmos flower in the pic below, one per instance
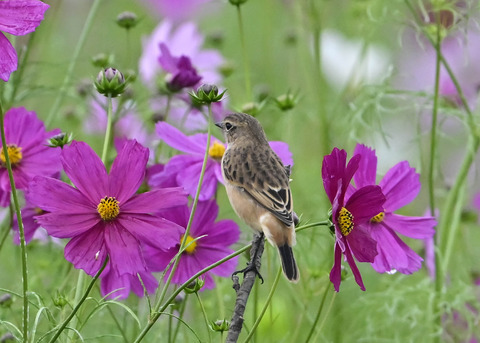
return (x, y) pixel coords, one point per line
(400, 185)
(29, 154)
(214, 240)
(17, 17)
(119, 286)
(103, 215)
(185, 169)
(184, 40)
(350, 214)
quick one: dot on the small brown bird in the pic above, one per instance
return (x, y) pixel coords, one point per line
(257, 185)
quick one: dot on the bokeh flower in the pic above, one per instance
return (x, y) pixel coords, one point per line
(400, 185)
(181, 73)
(103, 215)
(213, 244)
(350, 214)
(184, 40)
(185, 169)
(29, 154)
(17, 17)
(178, 10)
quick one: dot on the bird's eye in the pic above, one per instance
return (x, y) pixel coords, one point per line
(228, 126)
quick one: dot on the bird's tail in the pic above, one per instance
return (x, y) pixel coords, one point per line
(289, 265)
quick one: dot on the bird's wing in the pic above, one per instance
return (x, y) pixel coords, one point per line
(266, 181)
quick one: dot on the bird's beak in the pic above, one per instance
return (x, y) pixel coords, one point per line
(219, 124)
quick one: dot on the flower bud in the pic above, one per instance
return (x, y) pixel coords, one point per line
(127, 20)
(252, 108)
(110, 82)
(237, 2)
(194, 286)
(102, 60)
(286, 102)
(6, 300)
(60, 140)
(220, 325)
(84, 87)
(60, 299)
(227, 68)
(206, 94)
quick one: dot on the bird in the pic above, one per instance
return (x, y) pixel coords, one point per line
(258, 186)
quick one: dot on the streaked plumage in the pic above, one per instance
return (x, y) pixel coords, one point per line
(257, 185)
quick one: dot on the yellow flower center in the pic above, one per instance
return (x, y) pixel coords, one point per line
(345, 221)
(108, 208)
(378, 218)
(14, 153)
(217, 150)
(190, 244)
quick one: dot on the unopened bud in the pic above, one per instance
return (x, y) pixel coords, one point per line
(206, 94)
(220, 325)
(194, 286)
(110, 82)
(102, 60)
(60, 140)
(127, 20)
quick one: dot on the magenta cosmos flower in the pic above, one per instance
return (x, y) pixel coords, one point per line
(400, 185)
(184, 40)
(103, 215)
(213, 244)
(185, 169)
(350, 214)
(116, 286)
(29, 154)
(17, 17)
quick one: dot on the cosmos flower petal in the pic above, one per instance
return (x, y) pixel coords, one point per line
(88, 251)
(283, 151)
(124, 249)
(19, 17)
(156, 200)
(367, 168)
(204, 218)
(413, 227)
(128, 171)
(8, 58)
(177, 140)
(211, 256)
(336, 272)
(365, 203)
(67, 225)
(401, 184)
(85, 170)
(333, 167)
(155, 231)
(53, 195)
(224, 232)
(362, 245)
(353, 266)
(189, 177)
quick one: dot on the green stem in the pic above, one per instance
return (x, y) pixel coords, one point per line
(207, 326)
(192, 213)
(73, 62)
(325, 316)
(307, 226)
(80, 303)
(108, 131)
(319, 312)
(20, 227)
(264, 309)
(246, 66)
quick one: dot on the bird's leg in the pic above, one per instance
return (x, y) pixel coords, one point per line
(255, 257)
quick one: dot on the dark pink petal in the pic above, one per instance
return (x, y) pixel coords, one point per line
(30, 225)
(19, 17)
(4, 198)
(149, 281)
(67, 225)
(283, 151)
(413, 227)
(206, 257)
(223, 234)
(363, 246)
(394, 254)
(204, 218)
(177, 140)
(128, 171)
(400, 185)
(53, 195)
(88, 251)
(336, 272)
(85, 170)
(353, 267)
(476, 201)
(350, 170)
(166, 60)
(157, 260)
(123, 249)
(189, 177)
(333, 168)
(154, 231)
(367, 169)
(365, 203)
(23, 128)
(8, 58)
(155, 200)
